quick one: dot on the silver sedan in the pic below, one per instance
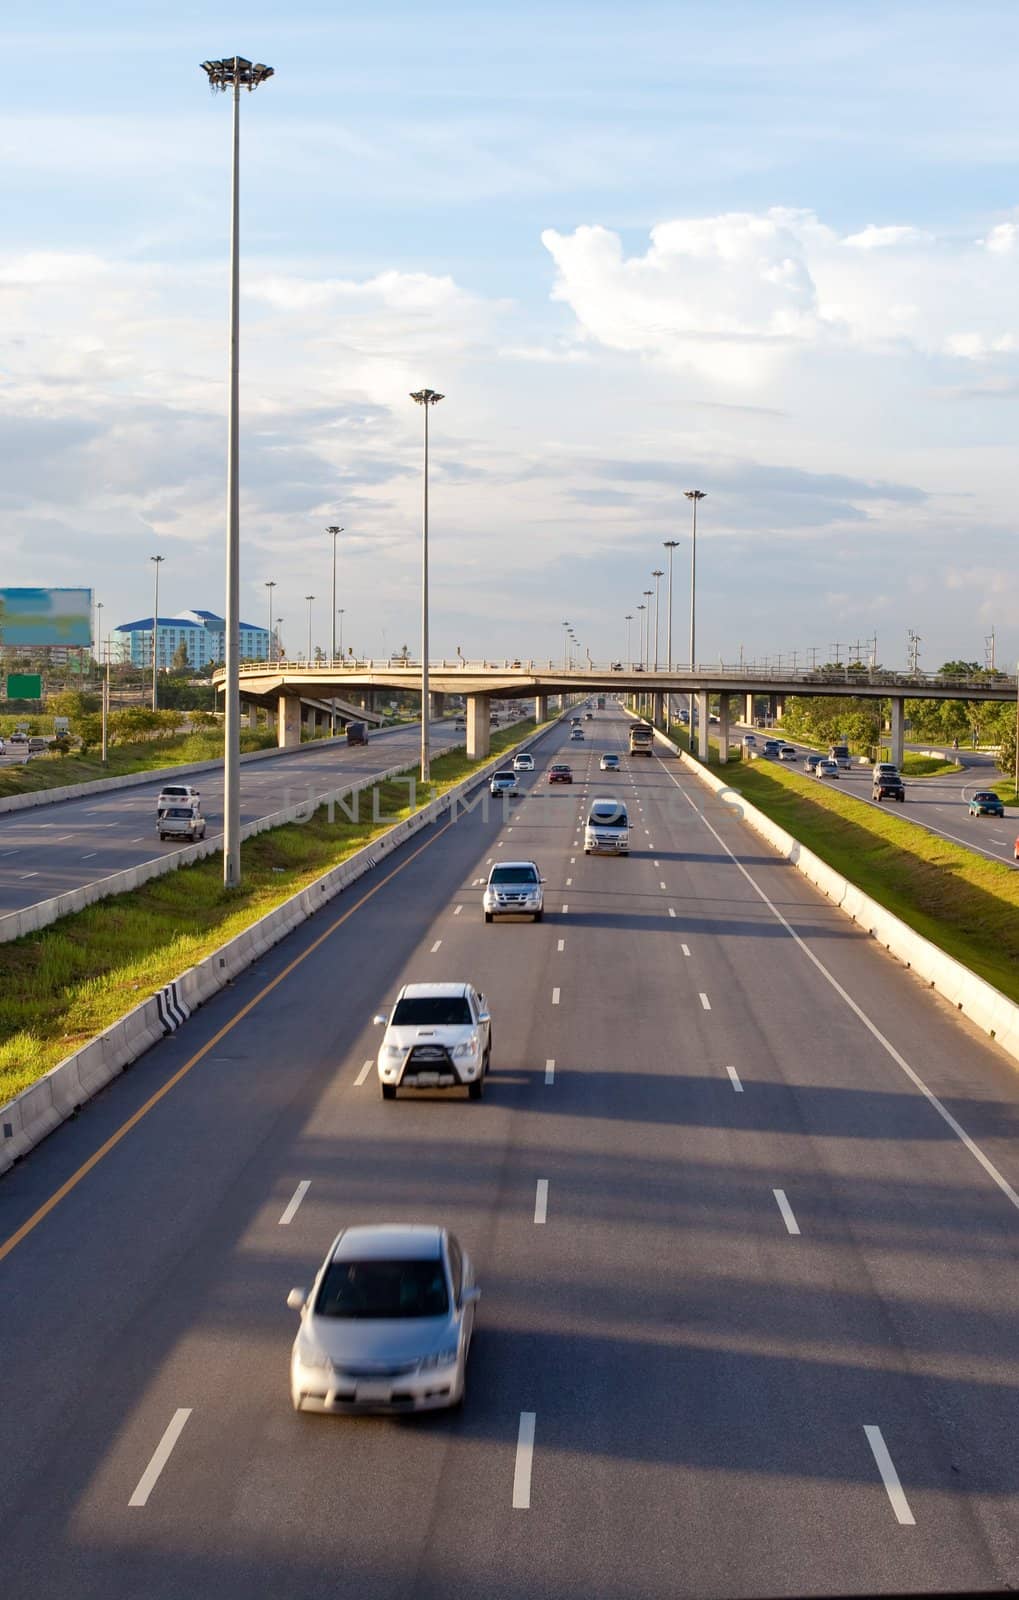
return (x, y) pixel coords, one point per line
(387, 1324)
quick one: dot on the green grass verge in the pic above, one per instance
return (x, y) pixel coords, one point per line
(62, 986)
(914, 766)
(961, 901)
(147, 755)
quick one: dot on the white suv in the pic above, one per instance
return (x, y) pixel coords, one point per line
(177, 794)
(439, 1036)
(514, 890)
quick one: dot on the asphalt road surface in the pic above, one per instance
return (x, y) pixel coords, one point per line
(939, 803)
(46, 851)
(765, 1340)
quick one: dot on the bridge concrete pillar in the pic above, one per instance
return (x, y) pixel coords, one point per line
(658, 716)
(438, 704)
(898, 733)
(702, 724)
(779, 700)
(748, 715)
(288, 722)
(541, 708)
(772, 708)
(479, 726)
(723, 728)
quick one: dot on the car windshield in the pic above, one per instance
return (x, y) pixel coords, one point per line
(611, 814)
(432, 1011)
(382, 1290)
(513, 875)
(985, 797)
(506, 777)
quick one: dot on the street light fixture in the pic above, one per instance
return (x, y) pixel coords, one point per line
(233, 73)
(693, 495)
(426, 398)
(332, 635)
(309, 598)
(270, 585)
(158, 560)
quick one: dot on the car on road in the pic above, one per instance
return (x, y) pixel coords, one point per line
(577, 734)
(438, 1036)
(1015, 851)
(750, 741)
(840, 753)
(787, 752)
(588, 716)
(504, 783)
(177, 794)
(772, 748)
(810, 761)
(607, 830)
(881, 767)
(559, 772)
(3, 748)
(387, 1324)
(524, 762)
(181, 822)
(986, 804)
(824, 767)
(18, 740)
(888, 785)
(609, 763)
(574, 722)
(357, 733)
(514, 890)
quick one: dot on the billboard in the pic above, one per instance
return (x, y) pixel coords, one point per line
(24, 686)
(32, 618)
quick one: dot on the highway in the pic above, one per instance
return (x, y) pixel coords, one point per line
(764, 1330)
(938, 803)
(47, 850)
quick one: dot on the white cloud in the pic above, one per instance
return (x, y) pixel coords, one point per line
(734, 297)
(1001, 240)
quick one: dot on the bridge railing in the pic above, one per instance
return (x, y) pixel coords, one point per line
(715, 674)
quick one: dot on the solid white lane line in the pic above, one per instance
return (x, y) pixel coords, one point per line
(90, 855)
(25, 875)
(565, 909)
(889, 1476)
(661, 885)
(561, 945)
(524, 1461)
(858, 1011)
(555, 997)
(705, 1002)
(569, 883)
(457, 910)
(671, 912)
(298, 1195)
(541, 1201)
(787, 1211)
(435, 946)
(161, 1455)
(685, 949)
(550, 1070)
(734, 1080)
(363, 1074)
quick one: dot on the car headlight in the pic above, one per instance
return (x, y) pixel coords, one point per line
(393, 1050)
(441, 1358)
(468, 1048)
(310, 1356)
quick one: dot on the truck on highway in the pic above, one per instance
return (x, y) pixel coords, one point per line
(642, 739)
(357, 733)
(600, 702)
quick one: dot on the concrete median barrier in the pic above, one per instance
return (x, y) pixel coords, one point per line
(986, 1007)
(34, 1113)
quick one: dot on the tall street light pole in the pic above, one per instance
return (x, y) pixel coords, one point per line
(647, 593)
(309, 598)
(270, 586)
(233, 73)
(426, 398)
(332, 634)
(158, 561)
(641, 609)
(566, 644)
(670, 545)
(657, 574)
(627, 658)
(340, 615)
(693, 495)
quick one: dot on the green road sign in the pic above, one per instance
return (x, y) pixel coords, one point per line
(24, 686)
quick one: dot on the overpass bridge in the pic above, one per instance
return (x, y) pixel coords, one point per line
(281, 685)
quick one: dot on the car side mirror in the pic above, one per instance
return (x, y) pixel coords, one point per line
(296, 1299)
(378, 1018)
(470, 1297)
(484, 1016)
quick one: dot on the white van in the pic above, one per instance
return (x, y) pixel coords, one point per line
(607, 830)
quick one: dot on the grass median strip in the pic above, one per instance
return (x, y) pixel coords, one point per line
(959, 900)
(62, 986)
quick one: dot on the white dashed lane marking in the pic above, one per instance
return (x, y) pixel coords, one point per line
(435, 946)
(555, 997)
(541, 1201)
(705, 1002)
(550, 1070)
(161, 1455)
(524, 1462)
(362, 1074)
(685, 949)
(298, 1195)
(792, 1226)
(734, 1079)
(889, 1476)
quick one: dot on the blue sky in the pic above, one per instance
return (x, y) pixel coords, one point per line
(767, 248)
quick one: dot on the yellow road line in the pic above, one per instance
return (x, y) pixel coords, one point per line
(72, 1182)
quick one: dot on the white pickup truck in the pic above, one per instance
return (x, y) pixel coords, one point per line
(181, 822)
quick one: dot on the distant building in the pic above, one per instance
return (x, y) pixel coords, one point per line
(202, 633)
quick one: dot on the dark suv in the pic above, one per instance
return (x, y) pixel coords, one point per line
(888, 786)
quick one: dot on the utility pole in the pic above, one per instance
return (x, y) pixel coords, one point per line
(914, 651)
(989, 652)
(425, 398)
(158, 560)
(332, 633)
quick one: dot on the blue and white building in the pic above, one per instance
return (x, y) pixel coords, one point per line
(202, 633)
